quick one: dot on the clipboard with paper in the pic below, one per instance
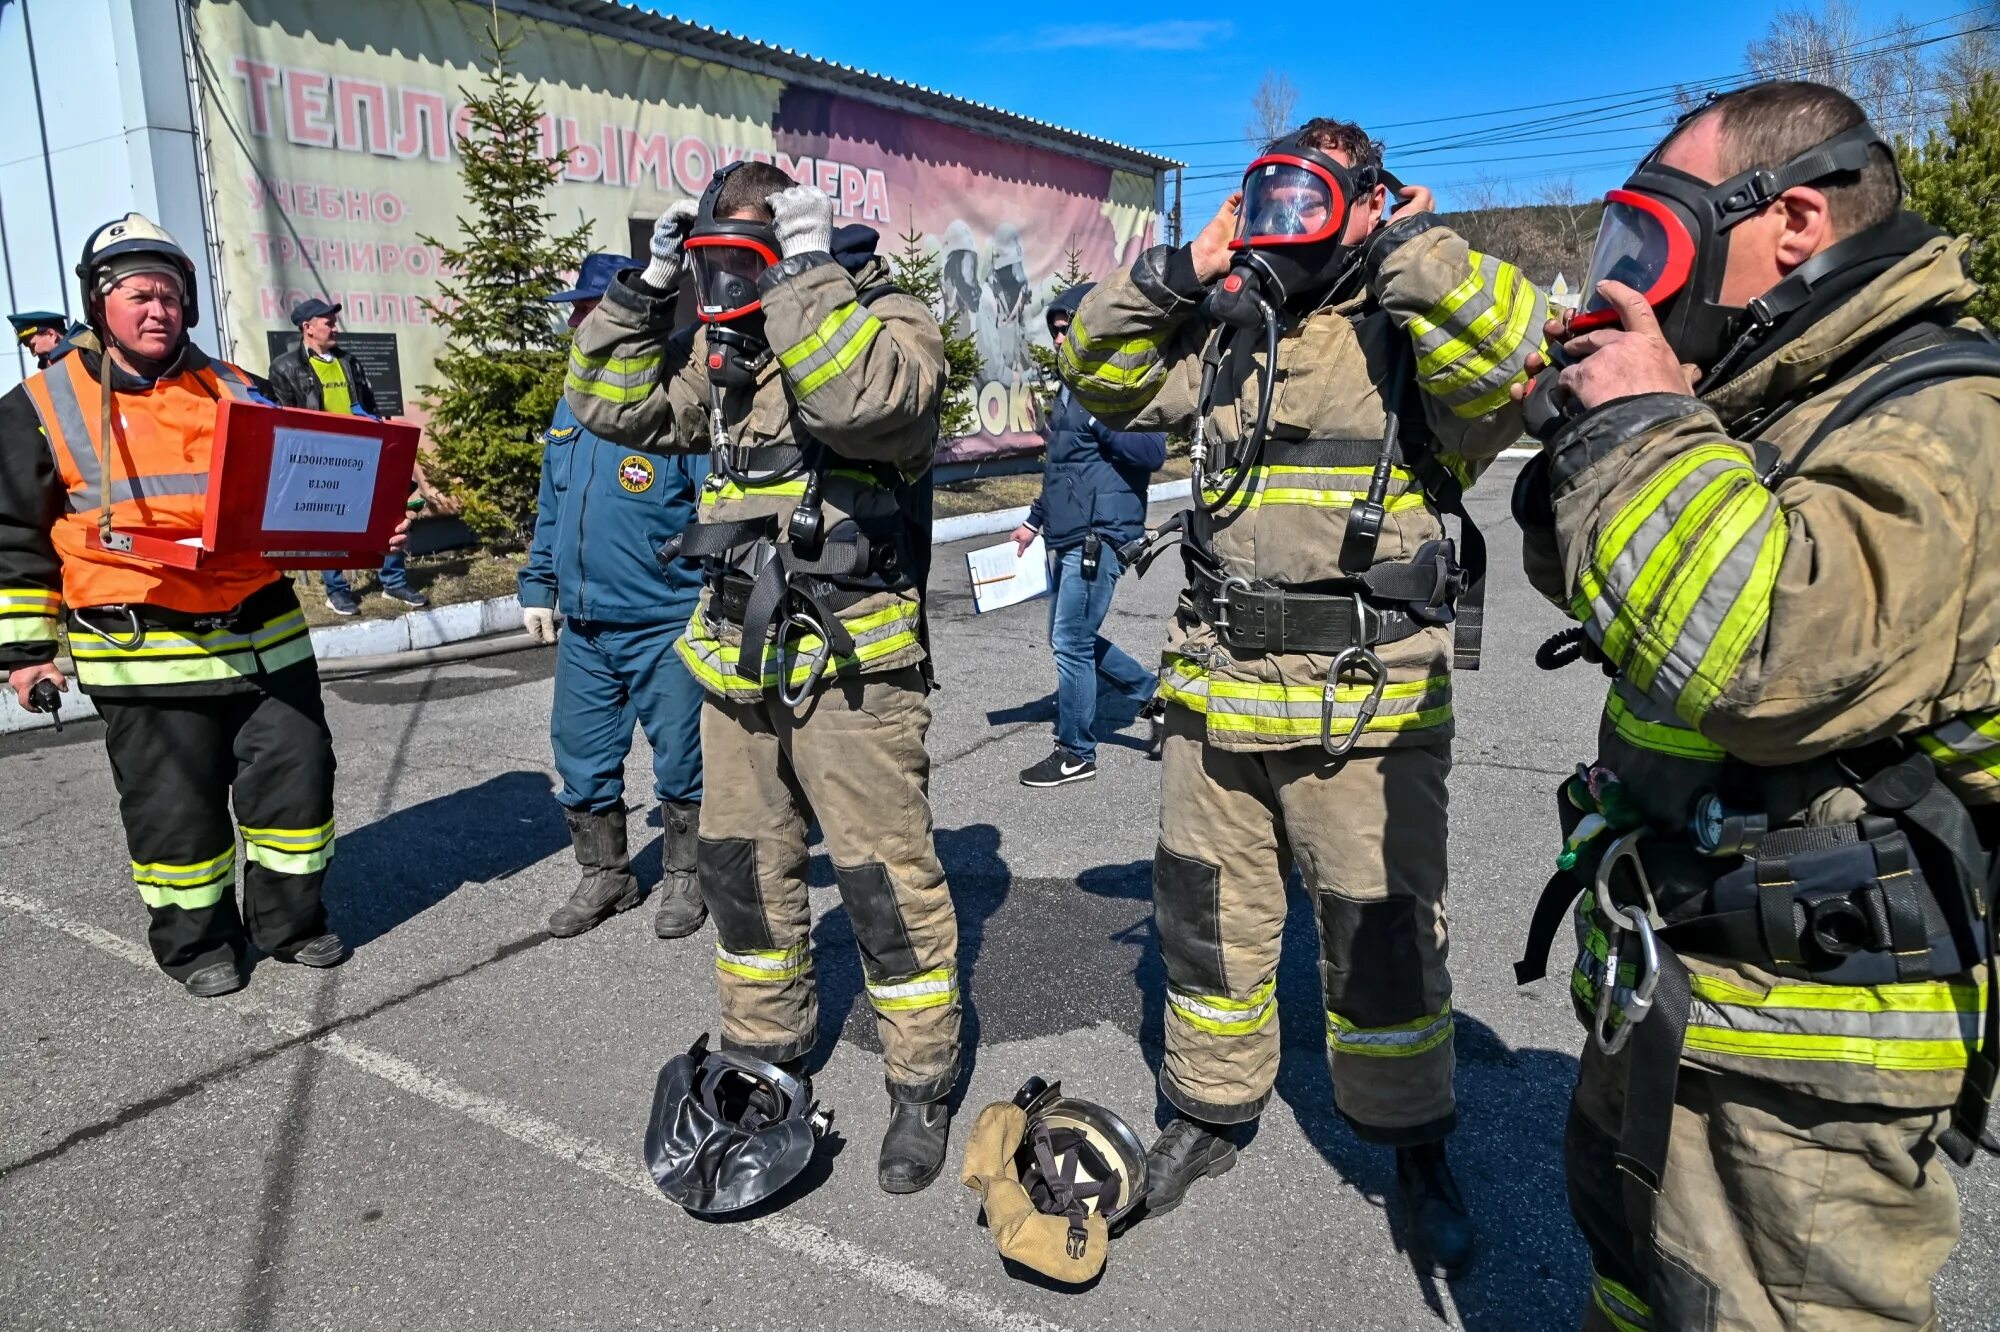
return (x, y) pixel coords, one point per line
(1002, 576)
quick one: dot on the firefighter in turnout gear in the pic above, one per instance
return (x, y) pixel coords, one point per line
(1772, 502)
(816, 392)
(205, 678)
(1345, 379)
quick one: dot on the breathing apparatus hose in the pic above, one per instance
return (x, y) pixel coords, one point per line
(1244, 460)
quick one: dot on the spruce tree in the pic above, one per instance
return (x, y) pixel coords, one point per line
(1954, 181)
(501, 373)
(919, 273)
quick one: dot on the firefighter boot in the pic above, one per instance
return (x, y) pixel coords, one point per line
(913, 1148)
(681, 909)
(607, 886)
(1189, 1150)
(1442, 1240)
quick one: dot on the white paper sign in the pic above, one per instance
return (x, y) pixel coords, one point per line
(320, 482)
(1002, 578)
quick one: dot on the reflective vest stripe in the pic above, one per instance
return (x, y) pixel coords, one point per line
(1326, 487)
(1625, 1310)
(1299, 710)
(290, 850)
(232, 381)
(932, 989)
(876, 635)
(167, 657)
(158, 485)
(1402, 1041)
(72, 437)
(619, 379)
(1219, 1015)
(1108, 376)
(1636, 720)
(1474, 343)
(1680, 583)
(765, 965)
(28, 614)
(826, 352)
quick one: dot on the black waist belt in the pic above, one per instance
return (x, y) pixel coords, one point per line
(731, 599)
(1273, 619)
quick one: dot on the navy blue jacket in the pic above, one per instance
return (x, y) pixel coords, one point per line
(604, 511)
(1094, 478)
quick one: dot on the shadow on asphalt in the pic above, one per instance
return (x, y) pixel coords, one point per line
(1506, 1154)
(405, 863)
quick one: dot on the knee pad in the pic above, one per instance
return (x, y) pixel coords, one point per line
(1370, 967)
(879, 928)
(726, 869)
(1187, 916)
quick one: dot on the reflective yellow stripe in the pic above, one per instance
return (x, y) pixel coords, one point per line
(1660, 737)
(189, 887)
(1625, 1310)
(932, 989)
(698, 645)
(173, 671)
(290, 850)
(1219, 1015)
(27, 629)
(1279, 693)
(609, 392)
(1301, 726)
(291, 839)
(617, 365)
(28, 601)
(1402, 1041)
(765, 965)
(1910, 1027)
(830, 349)
(730, 490)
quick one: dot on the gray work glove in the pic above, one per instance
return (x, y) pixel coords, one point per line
(540, 622)
(803, 218)
(668, 233)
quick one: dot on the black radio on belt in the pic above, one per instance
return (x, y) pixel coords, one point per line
(1093, 552)
(1364, 517)
(807, 528)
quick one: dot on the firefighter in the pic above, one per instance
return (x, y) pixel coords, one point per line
(816, 392)
(1345, 379)
(205, 678)
(1773, 505)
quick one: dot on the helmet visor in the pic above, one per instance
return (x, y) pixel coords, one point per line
(726, 269)
(1289, 201)
(1642, 243)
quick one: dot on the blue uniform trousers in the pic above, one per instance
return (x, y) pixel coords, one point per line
(608, 676)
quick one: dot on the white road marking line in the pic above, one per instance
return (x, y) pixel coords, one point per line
(797, 1237)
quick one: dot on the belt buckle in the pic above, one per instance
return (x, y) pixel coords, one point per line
(1378, 676)
(1634, 1003)
(1220, 601)
(800, 618)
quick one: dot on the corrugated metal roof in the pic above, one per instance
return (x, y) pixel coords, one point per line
(629, 21)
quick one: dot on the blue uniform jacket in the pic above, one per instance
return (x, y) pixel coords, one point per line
(604, 513)
(1094, 479)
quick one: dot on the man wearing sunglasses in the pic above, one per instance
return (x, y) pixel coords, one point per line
(1345, 376)
(1772, 502)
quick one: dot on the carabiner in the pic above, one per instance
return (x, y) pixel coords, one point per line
(132, 644)
(1631, 1003)
(1378, 680)
(801, 619)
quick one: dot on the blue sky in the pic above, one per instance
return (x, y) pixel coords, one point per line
(1175, 80)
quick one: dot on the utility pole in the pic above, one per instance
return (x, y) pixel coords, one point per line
(1174, 218)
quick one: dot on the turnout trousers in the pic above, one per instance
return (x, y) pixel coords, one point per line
(181, 764)
(853, 758)
(1367, 834)
(1780, 1211)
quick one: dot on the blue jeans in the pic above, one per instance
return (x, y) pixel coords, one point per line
(607, 677)
(395, 574)
(1077, 607)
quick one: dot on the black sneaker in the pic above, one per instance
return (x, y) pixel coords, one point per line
(408, 595)
(1059, 769)
(342, 603)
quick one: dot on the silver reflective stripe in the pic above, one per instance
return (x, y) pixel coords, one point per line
(233, 381)
(69, 424)
(154, 487)
(1772, 1020)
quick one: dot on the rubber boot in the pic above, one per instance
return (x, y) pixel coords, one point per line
(913, 1148)
(681, 909)
(1187, 1151)
(1442, 1240)
(607, 886)
(218, 978)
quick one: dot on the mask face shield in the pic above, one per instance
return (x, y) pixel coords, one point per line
(1291, 199)
(726, 268)
(1642, 242)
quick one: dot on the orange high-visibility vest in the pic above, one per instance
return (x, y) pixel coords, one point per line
(154, 474)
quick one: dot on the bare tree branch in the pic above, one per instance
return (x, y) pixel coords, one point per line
(1272, 109)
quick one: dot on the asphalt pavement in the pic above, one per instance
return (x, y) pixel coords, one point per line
(445, 1132)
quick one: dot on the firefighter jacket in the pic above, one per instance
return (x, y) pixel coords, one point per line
(857, 369)
(1458, 322)
(1855, 602)
(208, 630)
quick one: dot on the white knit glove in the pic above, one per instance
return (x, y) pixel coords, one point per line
(668, 233)
(540, 622)
(803, 218)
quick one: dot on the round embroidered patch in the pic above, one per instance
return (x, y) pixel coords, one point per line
(635, 473)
